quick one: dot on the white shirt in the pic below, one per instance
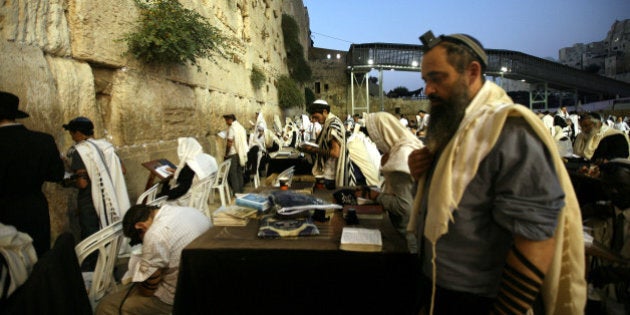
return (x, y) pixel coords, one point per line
(173, 228)
(404, 121)
(231, 133)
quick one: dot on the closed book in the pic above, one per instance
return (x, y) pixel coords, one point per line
(255, 201)
(310, 144)
(368, 211)
(361, 240)
(232, 215)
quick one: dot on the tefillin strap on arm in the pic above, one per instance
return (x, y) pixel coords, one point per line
(518, 291)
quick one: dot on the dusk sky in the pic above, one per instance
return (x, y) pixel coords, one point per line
(536, 27)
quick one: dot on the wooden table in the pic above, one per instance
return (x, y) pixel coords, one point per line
(228, 270)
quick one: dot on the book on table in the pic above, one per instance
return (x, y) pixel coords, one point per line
(233, 215)
(310, 144)
(366, 211)
(162, 168)
(361, 240)
(255, 201)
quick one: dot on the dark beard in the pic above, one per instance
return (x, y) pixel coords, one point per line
(446, 117)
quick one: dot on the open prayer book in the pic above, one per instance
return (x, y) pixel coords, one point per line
(361, 240)
(161, 167)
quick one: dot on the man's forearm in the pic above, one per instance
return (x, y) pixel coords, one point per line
(526, 265)
(148, 287)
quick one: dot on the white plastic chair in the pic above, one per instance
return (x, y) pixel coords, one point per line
(256, 172)
(149, 195)
(106, 242)
(199, 194)
(286, 174)
(221, 183)
(158, 202)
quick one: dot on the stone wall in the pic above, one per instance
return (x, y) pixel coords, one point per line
(63, 58)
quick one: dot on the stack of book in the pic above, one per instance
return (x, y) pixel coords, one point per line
(233, 216)
(254, 201)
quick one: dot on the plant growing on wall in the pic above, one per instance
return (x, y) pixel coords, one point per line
(169, 33)
(298, 67)
(257, 77)
(289, 94)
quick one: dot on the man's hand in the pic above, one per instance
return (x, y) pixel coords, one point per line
(419, 162)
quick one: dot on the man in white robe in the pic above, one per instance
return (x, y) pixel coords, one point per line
(236, 150)
(102, 198)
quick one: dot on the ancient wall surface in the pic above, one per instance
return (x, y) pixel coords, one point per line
(63, 58)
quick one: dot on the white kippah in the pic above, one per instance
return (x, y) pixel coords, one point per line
(320, 101)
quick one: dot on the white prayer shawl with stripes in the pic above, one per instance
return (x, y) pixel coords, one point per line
(109, 191)
(333, 129)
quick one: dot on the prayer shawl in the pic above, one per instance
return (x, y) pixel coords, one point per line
(240, 142)
(190, 152)
(260, 121)
(363, 152)
(585, 146)
(393, 138)
(109, 191)
(564, 287)
(20, 257)
(333, 129)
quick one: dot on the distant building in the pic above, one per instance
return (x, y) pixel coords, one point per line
(609, 57)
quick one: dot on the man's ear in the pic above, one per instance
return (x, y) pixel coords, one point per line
(473, 71)
(139, 225)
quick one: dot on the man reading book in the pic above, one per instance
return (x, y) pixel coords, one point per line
(194, 165)
(331, 155)
(396, 142)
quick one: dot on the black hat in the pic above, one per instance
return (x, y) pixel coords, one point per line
(9, 106)
(429, 41)
(82, 124)
(229, 116)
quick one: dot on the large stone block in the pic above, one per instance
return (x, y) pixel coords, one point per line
(98, 26)
(26, 74)
(36, 23)
(75, 94)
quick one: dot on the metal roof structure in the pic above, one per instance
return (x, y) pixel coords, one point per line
(540, 73)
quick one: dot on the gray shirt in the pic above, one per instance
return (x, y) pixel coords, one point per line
(515, 191)
(397, 200)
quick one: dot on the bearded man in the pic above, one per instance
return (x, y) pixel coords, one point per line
(494, 191)
(599, 142)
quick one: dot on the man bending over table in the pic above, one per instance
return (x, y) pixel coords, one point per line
(163, 232)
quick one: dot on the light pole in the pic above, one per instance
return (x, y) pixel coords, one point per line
(503, 70)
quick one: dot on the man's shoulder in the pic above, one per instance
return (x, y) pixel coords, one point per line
(22, 131)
